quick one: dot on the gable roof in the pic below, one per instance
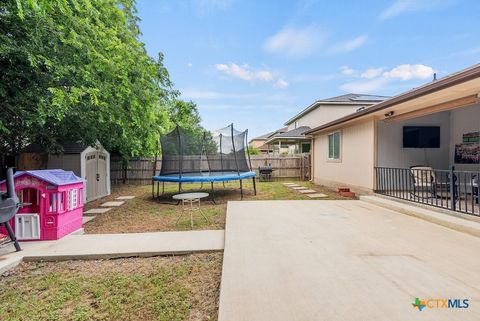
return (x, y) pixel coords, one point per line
(297, 133)
(347, 99)
(459, 77)
(56, 177)
(268, 135)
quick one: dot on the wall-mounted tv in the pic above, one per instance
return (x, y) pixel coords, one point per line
(421, 137)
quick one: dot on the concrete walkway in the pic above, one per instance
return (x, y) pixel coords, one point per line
(103, 246)
(342, 260)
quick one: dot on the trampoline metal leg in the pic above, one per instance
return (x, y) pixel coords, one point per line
(213, 196)
(241, 190)
(254, 186)
(163, 188)
(153, 188)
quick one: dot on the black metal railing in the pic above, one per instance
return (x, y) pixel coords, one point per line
(449, 189)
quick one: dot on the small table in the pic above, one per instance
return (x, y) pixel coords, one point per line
(191, 198)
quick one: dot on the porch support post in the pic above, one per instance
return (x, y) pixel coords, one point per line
(452, 188)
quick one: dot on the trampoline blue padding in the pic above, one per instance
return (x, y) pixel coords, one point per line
(204, 177)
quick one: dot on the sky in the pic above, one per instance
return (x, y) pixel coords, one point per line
(258, 63)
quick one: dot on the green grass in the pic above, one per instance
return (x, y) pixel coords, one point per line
(161, 288)
(144, 214)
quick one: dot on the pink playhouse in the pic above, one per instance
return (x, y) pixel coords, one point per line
(54, 204)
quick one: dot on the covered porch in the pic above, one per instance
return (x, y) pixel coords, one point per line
(292, 142)
(431, 155)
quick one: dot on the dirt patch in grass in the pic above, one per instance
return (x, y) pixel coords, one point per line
(144, 214)
(158, 288)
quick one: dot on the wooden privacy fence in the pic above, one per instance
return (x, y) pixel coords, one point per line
(140, 170)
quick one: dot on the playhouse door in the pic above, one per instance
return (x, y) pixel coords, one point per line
(91, 175)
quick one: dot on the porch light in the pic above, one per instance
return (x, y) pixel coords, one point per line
(389, 114)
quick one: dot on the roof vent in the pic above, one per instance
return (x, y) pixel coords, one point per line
(434, 76)
(360, 109)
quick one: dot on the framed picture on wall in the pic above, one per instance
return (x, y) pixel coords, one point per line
(468, 152)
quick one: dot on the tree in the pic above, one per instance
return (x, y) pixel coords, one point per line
(75, 70)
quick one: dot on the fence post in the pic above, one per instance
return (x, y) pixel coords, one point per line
(452, 188)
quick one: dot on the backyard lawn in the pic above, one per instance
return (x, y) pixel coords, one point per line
(158, 288)
(144, 214)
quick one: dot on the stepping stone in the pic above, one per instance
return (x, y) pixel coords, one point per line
(297, 188)
(125, 197)
(306, 191)
(113, 203)
(87, 219)
(97, 211)
(289, 184)
(317, 195)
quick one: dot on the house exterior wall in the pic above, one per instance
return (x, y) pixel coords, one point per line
(355, 169)
(257, 143)
(390, 151)
(322, 115)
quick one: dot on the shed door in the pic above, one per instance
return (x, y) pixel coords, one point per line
(102, 175)
(96, 168)
(91, 175)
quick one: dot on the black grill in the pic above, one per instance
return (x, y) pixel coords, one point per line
(265, 173)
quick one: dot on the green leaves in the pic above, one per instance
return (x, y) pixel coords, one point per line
(76, 70)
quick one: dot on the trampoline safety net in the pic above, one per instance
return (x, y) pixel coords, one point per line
(186, 152)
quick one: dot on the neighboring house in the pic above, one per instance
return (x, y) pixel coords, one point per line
(320, 112)
(260, 141)
(350, 151)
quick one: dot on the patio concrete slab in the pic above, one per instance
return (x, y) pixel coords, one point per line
(105, 246)
(317, 195)
(307, 191)
(113, 203)
(128, 197)
(298, 188)
(342, 260)
(97, 211)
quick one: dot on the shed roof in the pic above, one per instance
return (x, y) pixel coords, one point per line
(68, 148)
(56, 177)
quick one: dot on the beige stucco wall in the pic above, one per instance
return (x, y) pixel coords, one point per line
(355, 169)
(323, 114)
(257, 143)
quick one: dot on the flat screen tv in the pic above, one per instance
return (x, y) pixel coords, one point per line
(421, 137)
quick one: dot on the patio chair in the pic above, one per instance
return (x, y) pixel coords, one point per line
(424, 181)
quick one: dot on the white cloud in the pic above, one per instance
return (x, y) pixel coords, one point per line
(294, 42)
(401, 6)
(189, 65)
(348, 45)
(281, 84)
(377, 78)
(371, 73)
(244, 72)
(347, 71)
(408, 72)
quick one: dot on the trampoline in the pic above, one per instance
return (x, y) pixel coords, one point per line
(190, 156)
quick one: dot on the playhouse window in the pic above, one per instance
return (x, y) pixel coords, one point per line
(61, 201)
(72, 199)
(53, 202)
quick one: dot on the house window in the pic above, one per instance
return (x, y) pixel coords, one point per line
(72, 199)
(334, 145)
(305, 148)
(296, 124)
